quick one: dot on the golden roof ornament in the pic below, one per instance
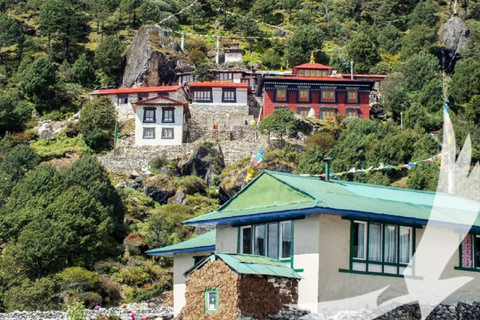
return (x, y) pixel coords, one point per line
(312, 58)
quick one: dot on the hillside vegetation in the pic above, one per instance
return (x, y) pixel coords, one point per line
(67, 233)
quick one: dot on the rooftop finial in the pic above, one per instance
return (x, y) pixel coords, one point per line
(312, 57)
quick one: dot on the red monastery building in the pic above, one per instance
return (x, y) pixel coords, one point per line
(316, 90)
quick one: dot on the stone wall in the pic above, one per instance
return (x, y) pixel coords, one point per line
(212, 275)
(224, 116)
(459, 311)
(261, 296)
(238, 143)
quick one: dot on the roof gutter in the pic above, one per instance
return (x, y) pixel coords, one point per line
(169, 253)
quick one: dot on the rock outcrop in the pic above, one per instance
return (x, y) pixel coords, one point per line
(153, 59)
(453, 36)
(205, 162)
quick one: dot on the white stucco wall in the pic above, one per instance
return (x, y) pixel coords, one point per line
(306, 243)
(158, 125)
(181, 263)
(227, 238)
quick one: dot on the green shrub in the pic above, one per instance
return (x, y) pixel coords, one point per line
(191, 184)
(32, 295)
(131, 276)
(76, 310)
(158, 162)
(77, 278)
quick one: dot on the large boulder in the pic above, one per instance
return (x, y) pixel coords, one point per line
(206, 161)
(160, 189)
(153, 59)
(453, 36)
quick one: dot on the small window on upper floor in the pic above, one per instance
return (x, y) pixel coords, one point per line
(229, 95)
(168, 115)
(142, 96)
(274, 239)
(328, 96)
(122, 99)
(280, 94)
(202, 95)
(352, 96)
(303, 95)
(149, 115)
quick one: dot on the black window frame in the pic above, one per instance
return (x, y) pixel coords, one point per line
(148, 119)
(203, 98)
(226, 91)
(166, 110)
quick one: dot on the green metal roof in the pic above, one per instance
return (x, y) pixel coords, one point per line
(250, 264)
(201, 243)
(277, 192)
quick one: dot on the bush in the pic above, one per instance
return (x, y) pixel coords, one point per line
(76, 310)
(97, 123)
(78, 279)
(32, 295)
(191, 184)
(158, 162)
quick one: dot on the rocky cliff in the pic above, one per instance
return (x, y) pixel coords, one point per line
(153, 59)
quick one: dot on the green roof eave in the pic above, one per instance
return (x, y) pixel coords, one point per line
(250, 264)
(201, 243)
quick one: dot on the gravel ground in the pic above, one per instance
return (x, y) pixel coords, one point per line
(140, 310)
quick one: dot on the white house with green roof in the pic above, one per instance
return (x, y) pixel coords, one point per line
(344, 239)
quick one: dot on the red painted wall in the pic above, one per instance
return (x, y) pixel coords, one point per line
(269, 104)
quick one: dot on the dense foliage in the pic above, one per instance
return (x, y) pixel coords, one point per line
(69, 235)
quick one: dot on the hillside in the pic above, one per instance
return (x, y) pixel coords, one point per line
(71, 230)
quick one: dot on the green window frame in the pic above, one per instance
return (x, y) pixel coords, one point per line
(380, 248)
(303, 95)
(469, 253)
(328, 95)
(273, 239)
(352, 96)
(212, 300)
(281, 95)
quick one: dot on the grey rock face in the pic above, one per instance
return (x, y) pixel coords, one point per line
(205, 162)
(453, 36)
(153, 59)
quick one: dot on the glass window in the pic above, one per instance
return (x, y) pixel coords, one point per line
(390, 243)
(352, 113)
(281, 94)
(246, 240)
(229, 95)
(272, 244)
(328, 114)
(405, 244)
(381, 248)
(259, 243)
(359, 236)
(122, 99)
(167, 133)
(149, 115)
(148, 133)
(272, 239)
(328, 96)
(142, 96)
(307, 73)
(304, 95)
(303, 111)
(211, 300)
(352, 97)
(375, 242)
(470, 252)
(285, 239)
(301, 73)
(202, 95)
(168, 115)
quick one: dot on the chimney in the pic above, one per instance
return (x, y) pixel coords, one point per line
(327, 168)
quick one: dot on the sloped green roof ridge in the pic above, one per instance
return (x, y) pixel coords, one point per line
(264, 194)
(335, 197)
(206, 239)
(251, 264)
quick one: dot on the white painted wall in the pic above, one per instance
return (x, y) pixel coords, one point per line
(226, 239)
(234, 57)
(306, 242)
(158, 125)
(241, 96)
(181, 263)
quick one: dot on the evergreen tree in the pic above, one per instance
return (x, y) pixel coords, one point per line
(302, 42)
